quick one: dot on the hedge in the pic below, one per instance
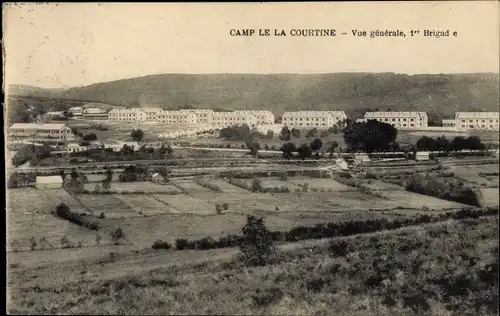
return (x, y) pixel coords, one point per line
(334, 229)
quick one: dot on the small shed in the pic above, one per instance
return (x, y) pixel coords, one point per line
(361, 158)
(422, 156)
(341, 164)
(49, 182)
(157, 178)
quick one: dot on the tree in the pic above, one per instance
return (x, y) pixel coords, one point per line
(106, 184)
(370, 136)
(31, 153)
(126, 149)
(295, 133)
(90, 137)
(253, 145)
(257, 245)
(256, 185)
(459, 143)
(165, 173)
(236, 132)
(137, 135)
(426, 144)
(312, 133)
(285, 134)
(331, 147)
(304, 151)
(288, 149)
(443, 144)
(316, 145)
(166, 150)
(117, 235)
(474, 143)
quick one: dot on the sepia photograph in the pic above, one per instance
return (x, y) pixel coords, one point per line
(300, 158)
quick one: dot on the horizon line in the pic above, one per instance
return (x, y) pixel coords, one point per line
(255, 73)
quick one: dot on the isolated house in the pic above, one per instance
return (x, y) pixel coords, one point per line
(49, 182)
(341, 164)
(422, 156)
(157, 178)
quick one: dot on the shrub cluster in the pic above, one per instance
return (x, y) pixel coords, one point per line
(334, 229)
(63, 211)
(159, 244)
(87, 192)
(451, 189)
(206, 184)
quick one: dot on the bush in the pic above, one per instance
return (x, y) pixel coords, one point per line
(305, 187)
(257, 246)
(63, 211)
(218, 209)
(256, 185)
(159, 244)
(447, 190)
(117, 236)
(181, 243)
(208, 185)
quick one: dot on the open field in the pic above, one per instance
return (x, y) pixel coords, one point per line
(144, 204)
(143, 187)
(321, 184)
(226, 186)
(408, 271)
(186, 204)
(189, 185)
(29, 216)
(145, 218)
(380, 185)
(490, 197)
(474, 175)
(111, 206)
(418, 201)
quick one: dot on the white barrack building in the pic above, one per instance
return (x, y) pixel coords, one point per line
(476, 120)
(400, 120)
(40, 132)
(321, 119)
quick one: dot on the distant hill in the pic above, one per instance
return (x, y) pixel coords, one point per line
(439, 95)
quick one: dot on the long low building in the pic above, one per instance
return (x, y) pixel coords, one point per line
(474, 121)
(319, 119)
(192, 116)
(40, 132)
(400, 120)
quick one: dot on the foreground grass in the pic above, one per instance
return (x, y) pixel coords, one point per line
(447, 268)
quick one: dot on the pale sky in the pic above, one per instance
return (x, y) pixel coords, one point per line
(62, 45)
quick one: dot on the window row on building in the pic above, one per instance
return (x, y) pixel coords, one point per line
(324, 119)
(40, 132)
(192, 116)
(473, 121)
(400, 120)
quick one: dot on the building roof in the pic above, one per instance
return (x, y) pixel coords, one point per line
(394, 114)
(180, 112)
(234, 114)
(38, 126)
(312, 113)
(477, 115)
(49, 179)
(126, 110)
